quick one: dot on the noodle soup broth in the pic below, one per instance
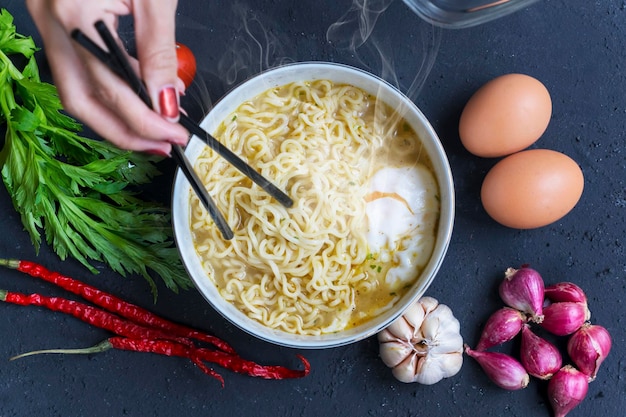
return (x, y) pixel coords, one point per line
(365, 221)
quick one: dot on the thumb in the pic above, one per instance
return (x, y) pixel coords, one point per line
(156, 51)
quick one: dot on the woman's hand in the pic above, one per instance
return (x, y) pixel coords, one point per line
(92, 93)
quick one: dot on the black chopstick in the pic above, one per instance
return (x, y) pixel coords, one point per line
(185, 121)
(235, 161)
(118, 63)
(122, 65)
(185, 165)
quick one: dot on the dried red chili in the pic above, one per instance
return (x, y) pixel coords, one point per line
(161, 347)
(113, 303)
(165, 338)
(196, 355)
(91, 315)
(243, 366)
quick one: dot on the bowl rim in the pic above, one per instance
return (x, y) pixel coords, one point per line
(275, 77)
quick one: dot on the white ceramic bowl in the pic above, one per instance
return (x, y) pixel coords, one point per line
(339, 74)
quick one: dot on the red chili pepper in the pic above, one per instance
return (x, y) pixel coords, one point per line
(113, 303)
(196, 355)
(91, 315)
(161, 347)
(162, 337)
(243, 366)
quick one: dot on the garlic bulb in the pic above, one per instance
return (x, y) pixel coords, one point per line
(423, 345)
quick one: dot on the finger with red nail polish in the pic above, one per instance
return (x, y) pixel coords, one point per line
(168, 103)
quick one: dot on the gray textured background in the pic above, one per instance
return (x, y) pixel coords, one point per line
(575, 47)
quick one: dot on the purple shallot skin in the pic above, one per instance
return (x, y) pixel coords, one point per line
(540, 357)
(523, 290)
(565, 318)
(565, 291)
(503, 325)
(503, 370)
(566, 389)
(588, 347)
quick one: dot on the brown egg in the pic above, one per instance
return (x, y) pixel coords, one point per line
(532, 188)
(504, 116)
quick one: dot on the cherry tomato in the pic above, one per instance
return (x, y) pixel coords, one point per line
(186, 64)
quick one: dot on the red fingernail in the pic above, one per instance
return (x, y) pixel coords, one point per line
(168, 103)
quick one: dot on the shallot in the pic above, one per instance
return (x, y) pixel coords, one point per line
(565, 291)
(564, 318)
(560, 309)
(540, 357)
(523, 289)
(588, 347)
(501, 326)
(566, 390)
(503, 370)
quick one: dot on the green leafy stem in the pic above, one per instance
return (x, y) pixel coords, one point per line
(75, 190)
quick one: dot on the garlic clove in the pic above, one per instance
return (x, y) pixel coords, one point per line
(385, 336)
(447, 343)
(429, 304)
(414, 316)
(401, 329)
(435, 367)
(451, 363)
(394, 352)
(439, 321)
(407, 370)
(428, 369)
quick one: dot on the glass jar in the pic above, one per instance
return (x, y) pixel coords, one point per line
(464, 13)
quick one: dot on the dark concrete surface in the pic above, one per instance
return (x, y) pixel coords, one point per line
(576, 47)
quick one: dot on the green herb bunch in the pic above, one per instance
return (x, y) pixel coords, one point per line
(74, 189)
